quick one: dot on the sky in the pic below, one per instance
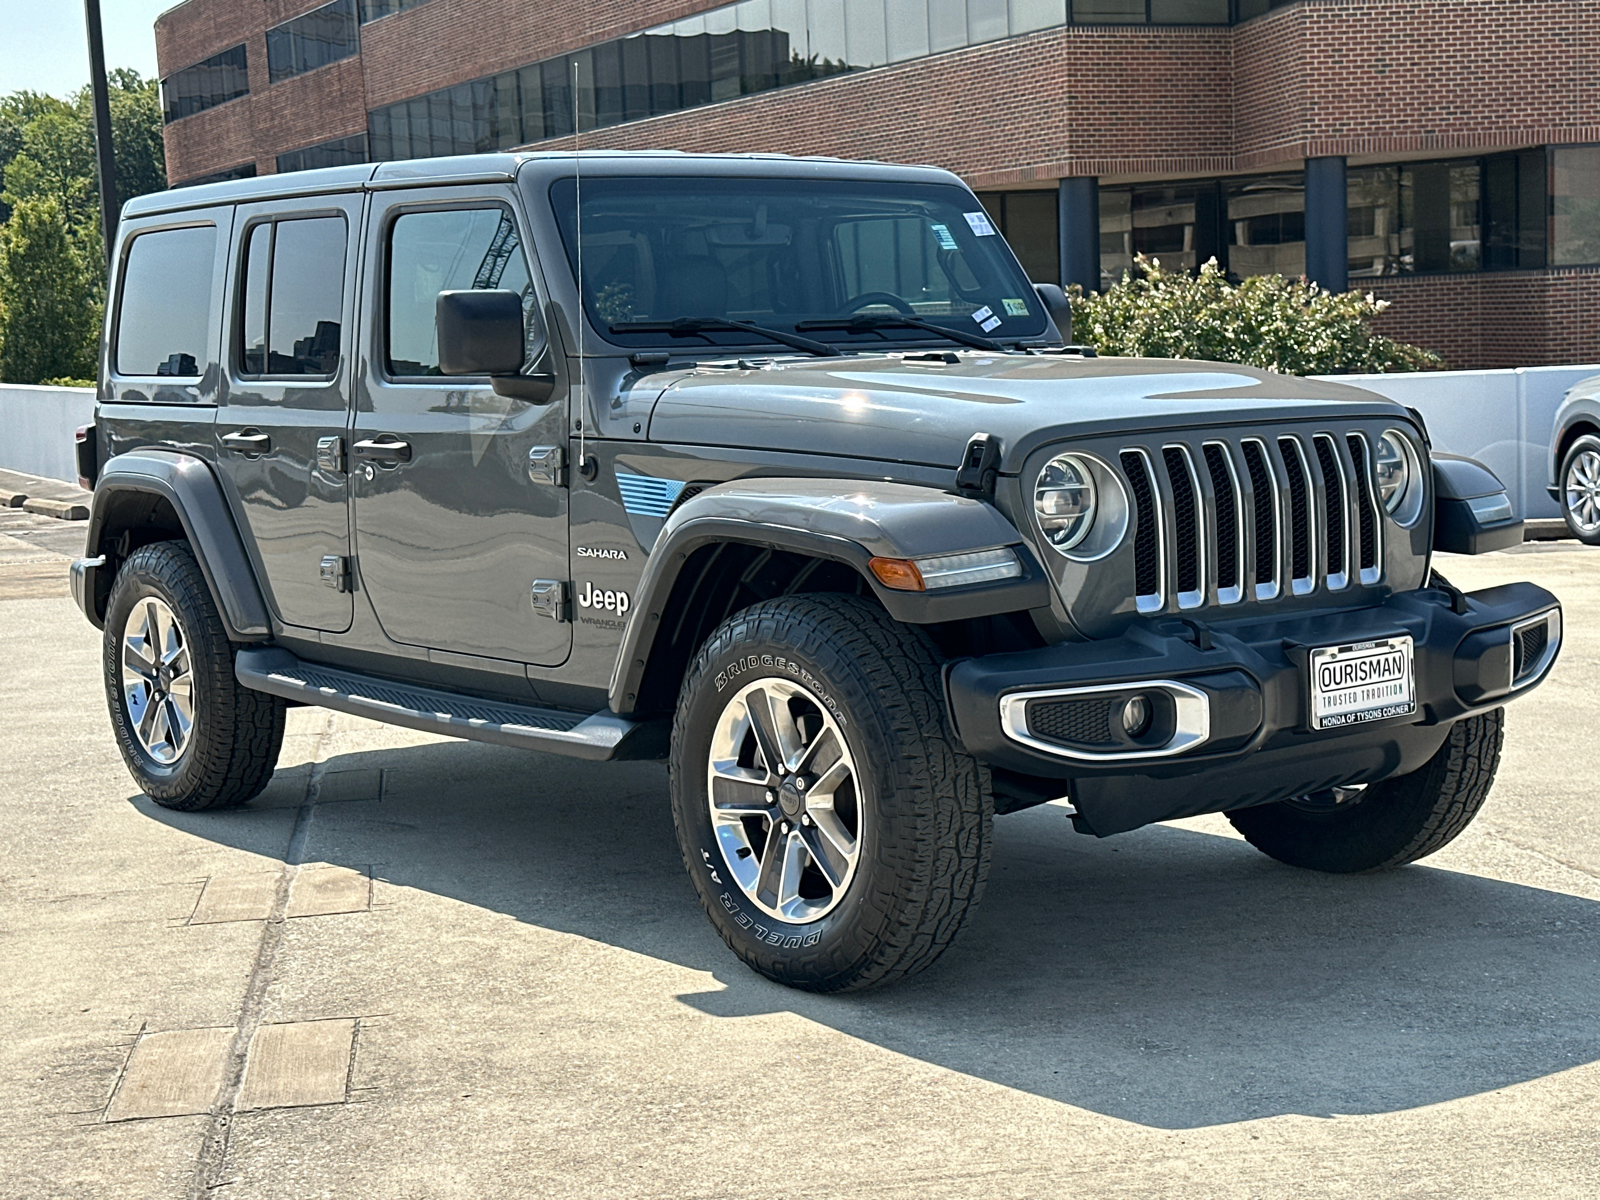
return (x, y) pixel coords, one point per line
(44, 47)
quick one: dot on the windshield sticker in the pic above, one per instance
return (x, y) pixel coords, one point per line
(1014, 307)
(980, 223)
(985, 318)
(944, 237)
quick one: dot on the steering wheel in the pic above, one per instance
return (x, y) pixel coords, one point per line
(856, 303)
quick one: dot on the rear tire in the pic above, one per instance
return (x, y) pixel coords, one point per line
(862, 859)
(193, 736)
(1578, 487)
(1387, 824)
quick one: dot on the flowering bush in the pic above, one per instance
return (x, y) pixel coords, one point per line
(1281, 324)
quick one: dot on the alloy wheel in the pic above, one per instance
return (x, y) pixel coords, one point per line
(157, 685)
(782, 790)
(1582, 487)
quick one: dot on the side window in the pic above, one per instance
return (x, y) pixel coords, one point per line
(164, 310)
(292, 297)
(451, 250)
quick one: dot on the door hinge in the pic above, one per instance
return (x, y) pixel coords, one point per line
(548, 464)
(336, 572)
(330, 455)
(549, 597)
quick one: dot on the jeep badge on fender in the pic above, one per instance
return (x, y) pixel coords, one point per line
(849, 536)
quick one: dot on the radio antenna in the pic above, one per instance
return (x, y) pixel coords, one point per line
(577, 186)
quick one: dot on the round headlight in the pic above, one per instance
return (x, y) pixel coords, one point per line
(1064, 501)
(1394, 470)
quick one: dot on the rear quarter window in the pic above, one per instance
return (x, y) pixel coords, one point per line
(164, 307)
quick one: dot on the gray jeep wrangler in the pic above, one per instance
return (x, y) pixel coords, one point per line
(806, 496)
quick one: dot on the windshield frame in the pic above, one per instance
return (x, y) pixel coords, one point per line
(558, 191)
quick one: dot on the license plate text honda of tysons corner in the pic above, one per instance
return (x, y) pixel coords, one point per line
(779, 470)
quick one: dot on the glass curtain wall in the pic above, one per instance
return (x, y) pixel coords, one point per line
(1575, 206)
(221, 78)
(339, 152)
(738, 50)
(314, 39)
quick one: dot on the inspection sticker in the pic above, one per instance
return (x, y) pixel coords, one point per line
(1014, 307)
(1366, 681)
(980, 224)
(944, 237)
(986, 319)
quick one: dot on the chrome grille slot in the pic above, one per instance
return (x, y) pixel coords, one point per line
(1264, 500)
(1230, 523)
(1366, 506)
(1147, 538)
(1336, 515)
(1302, 537)
(1187, 521)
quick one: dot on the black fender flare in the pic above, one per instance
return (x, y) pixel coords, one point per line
(846, 521)
(189, 486)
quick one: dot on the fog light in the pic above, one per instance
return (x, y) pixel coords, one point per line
(1136, 716)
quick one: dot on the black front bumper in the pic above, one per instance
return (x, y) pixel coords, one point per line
(1253, 675)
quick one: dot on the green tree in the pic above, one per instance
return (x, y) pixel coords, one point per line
(49, 314)
(1269, 321)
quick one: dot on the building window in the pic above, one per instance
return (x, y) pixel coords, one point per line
(1030, 224)
(242, 171)
(1267, 224)
(1440, 211)
(221, 78)
(314, 39)
(737, 50)
(1575, 205)
(371, 10)
(340, 152)
(293, 297)
(1372, 196)
(1515, 210)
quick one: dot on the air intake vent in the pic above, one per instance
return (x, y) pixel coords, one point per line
(1300, 554)
(1186, 522)
(1147, 537)
(1333, 497)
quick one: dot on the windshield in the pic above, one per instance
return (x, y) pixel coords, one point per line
(783, 253)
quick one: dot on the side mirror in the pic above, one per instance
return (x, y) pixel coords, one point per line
(481, 333)
(1058, 306)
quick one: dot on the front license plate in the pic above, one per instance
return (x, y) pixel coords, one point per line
(1366, 681)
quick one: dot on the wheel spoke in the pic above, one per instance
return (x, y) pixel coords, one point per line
(177, 658)
(133, 659)
(177, 722)
(771, 873)
(829, 782)
(153, 729)
(794, 865)
(773, 726)
(823, 752)
(736, 791)
(830, 859)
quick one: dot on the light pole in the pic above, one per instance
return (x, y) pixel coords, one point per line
(105, 160)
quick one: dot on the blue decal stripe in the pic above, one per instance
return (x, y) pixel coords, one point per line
(643, 496)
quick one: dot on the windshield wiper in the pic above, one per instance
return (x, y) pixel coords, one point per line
(692, 325)
(865, 322)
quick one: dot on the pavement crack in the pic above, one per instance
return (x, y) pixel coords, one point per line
(214, 1149)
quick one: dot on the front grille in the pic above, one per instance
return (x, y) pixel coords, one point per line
(1527, 648)
(1080, 722)
(1310, 519)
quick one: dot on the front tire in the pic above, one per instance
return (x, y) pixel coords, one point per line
(1580, 489)
(837, 836)
(1385, 824)
(193, 736)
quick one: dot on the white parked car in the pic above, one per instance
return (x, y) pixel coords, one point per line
(1575, 460)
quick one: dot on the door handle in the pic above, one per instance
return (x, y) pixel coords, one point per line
(248, 441)
(385, 449)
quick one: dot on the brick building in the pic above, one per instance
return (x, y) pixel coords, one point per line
(1444, 154)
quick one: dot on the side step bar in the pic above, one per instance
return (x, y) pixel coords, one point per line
(598, 737)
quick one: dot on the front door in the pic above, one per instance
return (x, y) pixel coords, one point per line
(453, 528)
(280, 427)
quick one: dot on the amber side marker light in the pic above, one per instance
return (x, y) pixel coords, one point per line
(898, 573)
(946, 570)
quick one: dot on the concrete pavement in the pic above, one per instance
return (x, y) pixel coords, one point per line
(500, 953)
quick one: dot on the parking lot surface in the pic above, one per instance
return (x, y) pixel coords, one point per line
(432, 969)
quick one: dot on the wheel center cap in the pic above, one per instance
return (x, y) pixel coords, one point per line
(789, 798)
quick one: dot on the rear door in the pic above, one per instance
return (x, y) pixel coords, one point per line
(281, 429)
(453, 527)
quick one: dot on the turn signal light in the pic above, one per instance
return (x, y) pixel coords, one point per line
(901, 574)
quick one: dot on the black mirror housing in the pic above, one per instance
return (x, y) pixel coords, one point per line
(1058, 306)
(480, 332)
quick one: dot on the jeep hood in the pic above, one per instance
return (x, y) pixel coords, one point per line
(922, 408)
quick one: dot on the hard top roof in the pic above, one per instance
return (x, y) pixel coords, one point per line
(501, 168)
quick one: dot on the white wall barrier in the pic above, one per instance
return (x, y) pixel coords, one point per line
(1502, 418)
(37, 425)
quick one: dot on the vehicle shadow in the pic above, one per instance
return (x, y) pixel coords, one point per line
(1167, 977)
